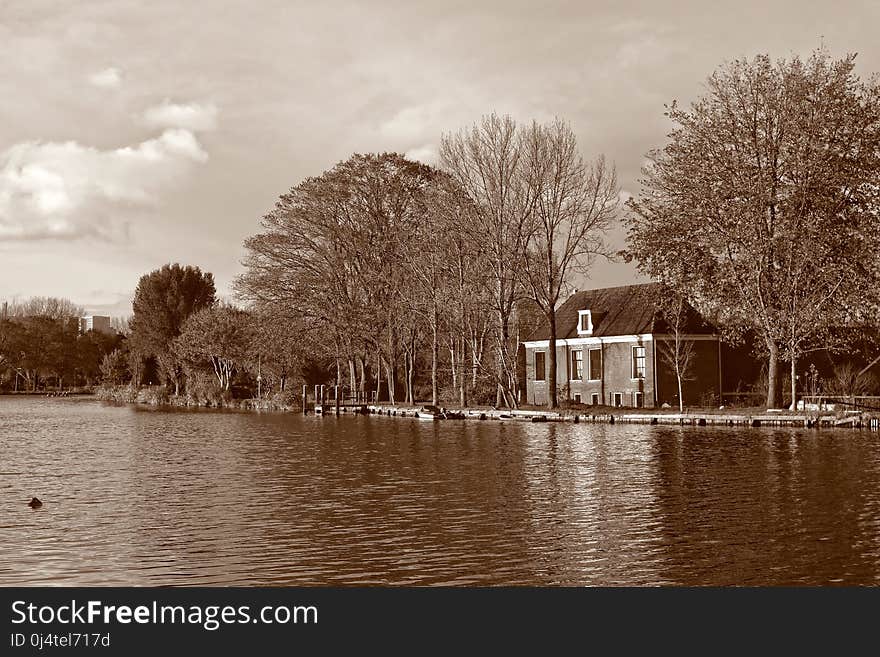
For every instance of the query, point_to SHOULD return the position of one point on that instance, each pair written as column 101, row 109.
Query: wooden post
column 305, row 400
column 336, row 394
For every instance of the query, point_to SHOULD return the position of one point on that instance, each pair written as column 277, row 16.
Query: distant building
column 100, row 323
column 609, row 351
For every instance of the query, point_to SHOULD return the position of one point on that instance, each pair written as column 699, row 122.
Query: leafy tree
column 767, row 194
column 328, row 253
column 91, row 348
column 163, row 300
column 114, row 367
column 220, row 336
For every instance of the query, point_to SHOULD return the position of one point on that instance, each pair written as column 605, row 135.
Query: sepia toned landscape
column 584, row 294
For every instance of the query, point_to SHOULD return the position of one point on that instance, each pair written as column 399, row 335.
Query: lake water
column 140, row 496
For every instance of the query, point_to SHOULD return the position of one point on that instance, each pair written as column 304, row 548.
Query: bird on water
column 35, row 503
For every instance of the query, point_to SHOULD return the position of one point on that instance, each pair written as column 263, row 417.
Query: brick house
column 612, row 349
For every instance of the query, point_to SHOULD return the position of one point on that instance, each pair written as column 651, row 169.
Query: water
column 139, row 496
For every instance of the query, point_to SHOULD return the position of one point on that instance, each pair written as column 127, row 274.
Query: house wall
column 701, row 385
column 616, row 374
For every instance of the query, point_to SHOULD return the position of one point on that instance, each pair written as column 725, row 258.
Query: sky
column 133, row 134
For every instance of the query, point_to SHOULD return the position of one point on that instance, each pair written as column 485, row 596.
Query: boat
column 428, row 413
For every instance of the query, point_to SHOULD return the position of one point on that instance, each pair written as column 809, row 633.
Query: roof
column 623, row 310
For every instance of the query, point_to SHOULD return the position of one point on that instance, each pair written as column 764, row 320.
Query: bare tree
column 678, row 351
column 51, row 307
column 487, row 162
column 575, row 203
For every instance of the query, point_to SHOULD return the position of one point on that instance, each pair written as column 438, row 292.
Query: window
column 594, row 399
column 540, row 367
column 638, row 399
column 577, row 365
column 618, row 399
column 595, row 364
column 638, row 363
column 585, row 322
column 577, row 398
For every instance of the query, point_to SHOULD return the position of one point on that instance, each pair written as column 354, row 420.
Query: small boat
column 428, row 413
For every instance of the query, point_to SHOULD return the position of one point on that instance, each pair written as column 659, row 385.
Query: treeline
column 402, row 273
column 204, row 352
column 393, row 279
column 41, row 347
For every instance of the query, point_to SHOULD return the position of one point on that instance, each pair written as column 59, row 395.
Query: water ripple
column 137, row 496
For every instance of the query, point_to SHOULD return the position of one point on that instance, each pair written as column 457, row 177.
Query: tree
column 330, row 252
column 91, row 348
column 114, row 367
column 457, row 275
column 220, row 336
column 162, row 302
column 489, row 163
column 52, row 307
column 575, row 203
column 767, row 193
column 678, row 352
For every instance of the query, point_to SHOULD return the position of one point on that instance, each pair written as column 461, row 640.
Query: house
column 613, row 348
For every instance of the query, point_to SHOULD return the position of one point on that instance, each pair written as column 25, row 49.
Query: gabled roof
column 624, row 310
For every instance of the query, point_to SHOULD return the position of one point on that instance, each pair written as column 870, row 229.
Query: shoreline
column 700, row 418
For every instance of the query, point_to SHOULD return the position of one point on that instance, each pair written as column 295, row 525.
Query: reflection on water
column 136, row 496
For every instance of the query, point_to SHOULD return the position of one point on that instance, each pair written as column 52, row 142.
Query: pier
column 681, row 419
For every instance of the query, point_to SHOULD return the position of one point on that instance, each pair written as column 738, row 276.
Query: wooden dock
column 781, row 419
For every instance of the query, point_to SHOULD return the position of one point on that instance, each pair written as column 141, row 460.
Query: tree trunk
column 552, row 401
column 678, row 372
column 378, row 377
column 389, row 377
column 680, row 391
column 362, row 386
column 435, row 356
column 411, row 375
column 773, row 378
column 793, row 383
column 453, row 360
column 462, row 379
column 352, row 376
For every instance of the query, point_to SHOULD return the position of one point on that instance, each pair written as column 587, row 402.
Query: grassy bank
column 160, row 396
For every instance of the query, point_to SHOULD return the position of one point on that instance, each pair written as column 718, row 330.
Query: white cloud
column 67, row 190
column 109, row 78
column 426, row 154
column 192, row 116
column 408, row 123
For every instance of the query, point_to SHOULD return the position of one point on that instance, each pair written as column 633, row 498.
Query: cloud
column 65, row 190
column 426, row 154
column 192, row 116
column 109, row 78
column 408, row 123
